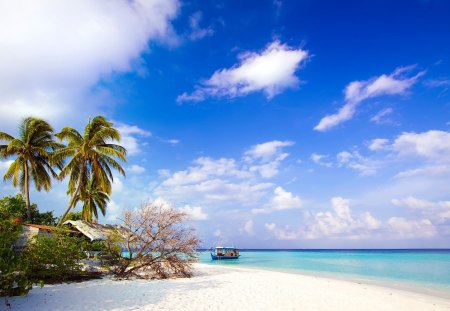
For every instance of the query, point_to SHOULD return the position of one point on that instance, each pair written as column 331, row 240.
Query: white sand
column 224, row 288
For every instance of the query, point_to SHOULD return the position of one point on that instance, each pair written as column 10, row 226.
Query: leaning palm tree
column 92, row 155
column 93, row 199
column 34, row 157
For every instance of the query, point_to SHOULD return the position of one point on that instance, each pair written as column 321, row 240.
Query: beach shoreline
column 227, row 288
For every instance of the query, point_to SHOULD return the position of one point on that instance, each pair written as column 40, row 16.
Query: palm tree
column 34, row 162
column 93, row 199
column 92, row 155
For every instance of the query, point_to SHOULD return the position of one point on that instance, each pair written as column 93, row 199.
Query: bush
column 56, row 258
column 14, row 279
column 13, row 207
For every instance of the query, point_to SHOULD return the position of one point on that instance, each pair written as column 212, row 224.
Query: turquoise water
column 421, row 269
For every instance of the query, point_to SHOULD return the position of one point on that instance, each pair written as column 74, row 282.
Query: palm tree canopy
column 91, row 154
column 93, row 199
column 34, row 161
column 33, row 148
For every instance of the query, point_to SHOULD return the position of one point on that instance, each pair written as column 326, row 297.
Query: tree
column 157, row 244
column 94, row 199
column 92, row 156
column 12, row 207
column 34, row 157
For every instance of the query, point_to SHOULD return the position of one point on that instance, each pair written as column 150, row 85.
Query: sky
column 272, row 123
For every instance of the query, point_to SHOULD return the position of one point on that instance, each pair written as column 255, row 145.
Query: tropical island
column 224, row 154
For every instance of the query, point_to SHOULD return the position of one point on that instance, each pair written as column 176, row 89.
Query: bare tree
column 155, row 243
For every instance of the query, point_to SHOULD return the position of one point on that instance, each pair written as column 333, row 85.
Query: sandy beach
column 226, row 288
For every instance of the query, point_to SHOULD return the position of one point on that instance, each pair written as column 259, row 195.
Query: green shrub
column 12, row 207
column 13, row 271
column 56, row 258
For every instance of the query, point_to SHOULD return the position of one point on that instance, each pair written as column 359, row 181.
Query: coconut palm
column 34, row 162
column 92, row 156
column 93, row 199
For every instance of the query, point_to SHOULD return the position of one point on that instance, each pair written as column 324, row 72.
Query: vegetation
column 15, row 207
column 55, row 258
column 92, row 156
column 14, row 276
column 33, row 150
column 158, row 245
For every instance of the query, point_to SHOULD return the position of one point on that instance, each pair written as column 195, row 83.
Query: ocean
column 423, row 270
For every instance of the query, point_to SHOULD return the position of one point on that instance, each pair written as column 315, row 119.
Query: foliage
column 55, row 258
column 12, row 207
column 93, row 199
column 73, row 216
column 13, row 271
column 91, row 158
column 157, row 243
column 33, row 150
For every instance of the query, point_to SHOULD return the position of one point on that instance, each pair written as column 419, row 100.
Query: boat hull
column 215, row 257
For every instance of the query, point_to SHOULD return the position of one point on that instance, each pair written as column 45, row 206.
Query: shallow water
column 424, row 270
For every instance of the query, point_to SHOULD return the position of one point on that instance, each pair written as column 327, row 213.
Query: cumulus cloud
column 432, row 145
column 438, row 211
column 405, row 228
column 130, row 137
column 266, row 158
column 226, row 179
column 54, row 53
column 194, row 212
column 340, row 222
column 285, row 233
column 270, row 71
column 282, row 200
column 379, row 144
column 397, row 83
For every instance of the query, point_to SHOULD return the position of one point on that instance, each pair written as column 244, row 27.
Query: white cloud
column 198, row 32
column 357, row 91
column 438, row 211
column 282, row 234
column 205, row 168
column 271, row 71
column 282, row 200
column 379, row 144
column 226, row 180
column 267, row 157
column 195, row 213
column 432, row 145
column 340, row 222
column 382, row 116
column 407, row 229
column 136, row 169
column 54, row 53
column 356, row 161
column 434, row 170
column 319, row 159
column 129, row 137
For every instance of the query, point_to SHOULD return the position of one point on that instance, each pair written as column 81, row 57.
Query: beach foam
column 226, row 288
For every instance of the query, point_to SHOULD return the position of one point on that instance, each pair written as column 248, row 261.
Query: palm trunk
column 26, row 192
column 71, row 203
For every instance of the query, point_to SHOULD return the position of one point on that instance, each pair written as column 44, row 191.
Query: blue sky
column 281, row 124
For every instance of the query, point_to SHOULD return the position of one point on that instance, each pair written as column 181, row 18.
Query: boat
column 220, row 253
